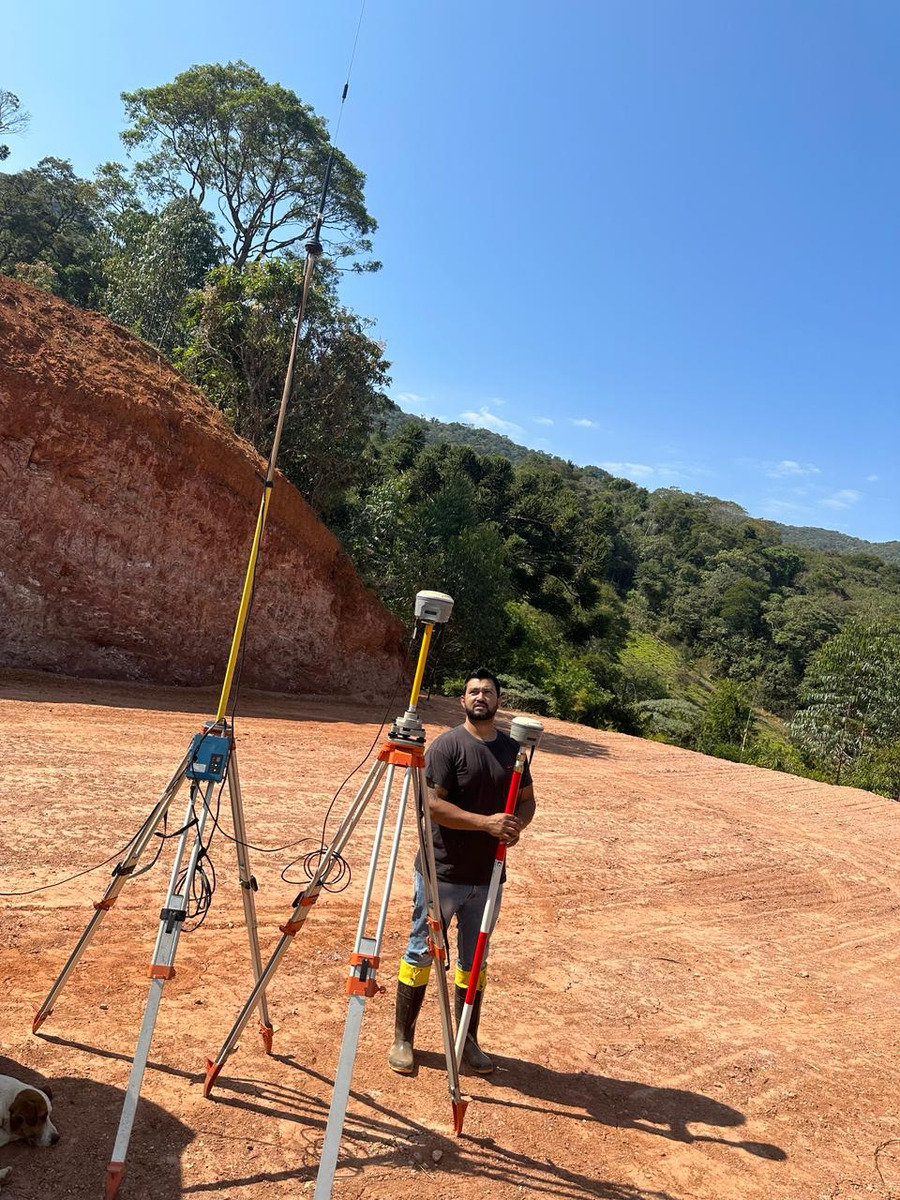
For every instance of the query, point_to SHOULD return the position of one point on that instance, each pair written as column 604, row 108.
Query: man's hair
column 482, row 673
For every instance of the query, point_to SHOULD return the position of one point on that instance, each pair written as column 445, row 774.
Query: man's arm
column 500, row 825
column 526, row 806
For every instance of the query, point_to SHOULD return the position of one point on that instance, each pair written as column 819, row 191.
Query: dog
column 25, row 1113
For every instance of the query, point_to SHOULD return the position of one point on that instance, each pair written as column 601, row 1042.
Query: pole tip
column 267, row 1032
column 212, row 1074
column 114, row 1173
column 459, row 1112
column 39, row 1018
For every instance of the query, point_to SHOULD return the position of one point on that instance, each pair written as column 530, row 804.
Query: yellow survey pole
column 420, row 666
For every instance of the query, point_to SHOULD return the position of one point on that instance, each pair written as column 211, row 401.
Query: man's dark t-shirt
column 476, row 777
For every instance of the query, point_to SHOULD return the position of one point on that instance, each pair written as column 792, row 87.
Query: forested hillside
column 485, row 441
column 672, row 615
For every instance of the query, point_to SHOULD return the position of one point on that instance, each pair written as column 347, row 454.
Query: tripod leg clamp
column 436, row 951
column 365, row 983
column 289, row 928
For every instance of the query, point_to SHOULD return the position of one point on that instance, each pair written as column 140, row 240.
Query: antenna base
column 408, row 729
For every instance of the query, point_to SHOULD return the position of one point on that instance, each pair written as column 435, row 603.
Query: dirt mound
column 127, row 509
column 692, row 989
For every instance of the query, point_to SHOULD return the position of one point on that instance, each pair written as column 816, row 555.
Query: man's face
column 480, row 700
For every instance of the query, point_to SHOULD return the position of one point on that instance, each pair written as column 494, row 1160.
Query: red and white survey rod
column 527, row 732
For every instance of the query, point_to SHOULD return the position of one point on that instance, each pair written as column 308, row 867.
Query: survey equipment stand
column 401, row 759
column 209, row 765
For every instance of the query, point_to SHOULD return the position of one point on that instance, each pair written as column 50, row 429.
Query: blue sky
column 659, row 237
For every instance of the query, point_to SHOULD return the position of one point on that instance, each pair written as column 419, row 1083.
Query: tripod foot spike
column 267, row 1032
column 459, row 1112
column 39, row 1019
column 114, row 1174
column 212, row 1074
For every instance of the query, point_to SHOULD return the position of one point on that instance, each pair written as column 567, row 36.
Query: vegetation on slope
column 672, row 615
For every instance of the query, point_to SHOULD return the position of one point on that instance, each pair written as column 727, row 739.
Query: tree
column 239, row 329
column 728, row 724
column 12, row 118
column 49, row 218
column 850, row 695
column 222, row 135
column 159, row 260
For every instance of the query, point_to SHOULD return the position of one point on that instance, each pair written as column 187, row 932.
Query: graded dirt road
column 692, row 989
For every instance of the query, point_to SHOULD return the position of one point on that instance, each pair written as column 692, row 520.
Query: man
column 468, row 770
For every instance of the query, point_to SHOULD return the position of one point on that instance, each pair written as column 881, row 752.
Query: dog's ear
column 47, row 1093
column 27, row 1113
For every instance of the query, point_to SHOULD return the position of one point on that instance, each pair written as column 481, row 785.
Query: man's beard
column 482, row 713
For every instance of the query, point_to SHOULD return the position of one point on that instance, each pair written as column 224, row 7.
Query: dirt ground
column 692, row 989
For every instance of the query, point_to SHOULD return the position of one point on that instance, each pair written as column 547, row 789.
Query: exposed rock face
column 127, row 509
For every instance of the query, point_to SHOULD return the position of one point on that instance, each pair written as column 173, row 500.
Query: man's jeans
column 461, row 900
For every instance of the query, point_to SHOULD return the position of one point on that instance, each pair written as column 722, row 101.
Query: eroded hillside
column 127, row 509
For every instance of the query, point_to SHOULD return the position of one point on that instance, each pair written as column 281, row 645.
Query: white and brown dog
column 24, row 1113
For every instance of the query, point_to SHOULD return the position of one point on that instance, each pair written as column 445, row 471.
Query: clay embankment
column 127, row 509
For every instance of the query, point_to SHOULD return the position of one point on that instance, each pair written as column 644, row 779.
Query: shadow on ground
column 86, row 1113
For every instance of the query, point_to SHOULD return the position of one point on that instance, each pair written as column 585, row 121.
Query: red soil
column 692, row 988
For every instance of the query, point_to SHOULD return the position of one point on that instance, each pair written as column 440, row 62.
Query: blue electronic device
column 209, row 755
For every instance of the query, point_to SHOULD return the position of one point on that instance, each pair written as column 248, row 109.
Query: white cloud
column 628, row 469
column 584, row 423
column 782, row 508
column 845, row 498
column 484, row 417
column 871, row 479
column 408, row 399
column 788, row 467
column 544, row 421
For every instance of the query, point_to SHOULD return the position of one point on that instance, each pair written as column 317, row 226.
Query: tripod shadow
column 370, row 1145
column 621, row 1103
column 86, row 1113
column 100, row 1052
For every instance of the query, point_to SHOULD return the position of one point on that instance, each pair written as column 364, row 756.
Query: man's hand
column 503, row 826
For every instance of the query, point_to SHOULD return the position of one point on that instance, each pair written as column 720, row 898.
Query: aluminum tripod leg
column 484, row 933
column 120, row 876
column 248, row 888
column 361, row 984
column 440, row 948
column 162, row 967
column 364, row 963
column 302, row 905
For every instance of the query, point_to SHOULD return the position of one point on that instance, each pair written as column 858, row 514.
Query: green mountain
column 811, row 538
column 484, row 441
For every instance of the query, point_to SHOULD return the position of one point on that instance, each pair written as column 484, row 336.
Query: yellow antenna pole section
column 420, row 666
column 244, row 607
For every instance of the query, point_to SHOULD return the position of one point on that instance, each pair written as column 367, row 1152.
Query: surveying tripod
column 404, row 748
column 209, row 762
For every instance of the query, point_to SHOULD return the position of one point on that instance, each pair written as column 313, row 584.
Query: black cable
column 45, row 887
column 68, row 879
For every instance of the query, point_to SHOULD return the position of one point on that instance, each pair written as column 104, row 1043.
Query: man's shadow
column 86, row 1113
column 622, row 1103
